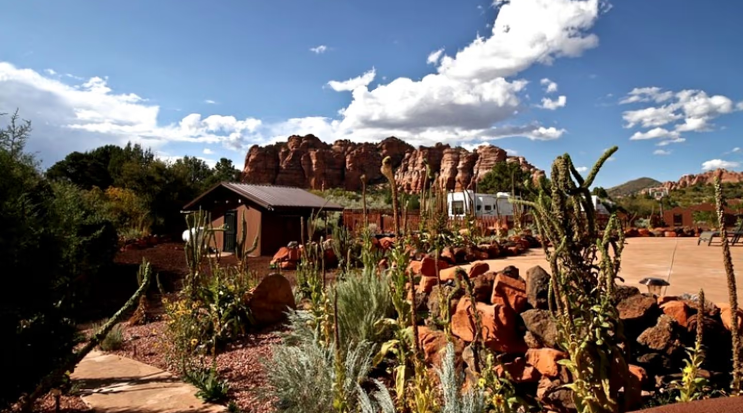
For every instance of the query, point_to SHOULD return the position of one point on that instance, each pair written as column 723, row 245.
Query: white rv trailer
column 484, row 205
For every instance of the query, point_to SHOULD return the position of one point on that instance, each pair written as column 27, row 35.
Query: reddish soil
column 724, row 404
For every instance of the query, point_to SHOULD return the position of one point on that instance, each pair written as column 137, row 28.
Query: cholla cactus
column 389, row 173
column 582, row 286
column 732, row 289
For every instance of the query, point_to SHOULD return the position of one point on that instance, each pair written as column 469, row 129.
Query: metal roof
column 271, row 196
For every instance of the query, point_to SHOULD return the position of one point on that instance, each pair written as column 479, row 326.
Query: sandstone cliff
column 308, row 162
column 706, row 178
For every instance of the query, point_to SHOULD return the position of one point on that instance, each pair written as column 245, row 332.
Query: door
column 230, row 231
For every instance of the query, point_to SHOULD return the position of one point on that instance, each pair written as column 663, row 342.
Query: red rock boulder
column 545, row 360
column 499, row 326
column 271, row 299
column 510, row 292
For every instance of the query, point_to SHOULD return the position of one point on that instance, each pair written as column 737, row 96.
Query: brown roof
column 271, row 197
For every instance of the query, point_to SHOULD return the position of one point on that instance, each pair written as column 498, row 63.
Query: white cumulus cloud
column 662, row 152
column 353, row 83
column 581, row 169
column 319, row 49
column 550, row 86
column 208, row 151
column 210, row 102
column 678, row 112
column 719, row 163
column 551, row 104
column 434, row 57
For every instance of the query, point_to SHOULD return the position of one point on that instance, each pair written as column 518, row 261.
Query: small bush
column 303, row 376
column 114, row 340
column 210, row 387
column 363, row 300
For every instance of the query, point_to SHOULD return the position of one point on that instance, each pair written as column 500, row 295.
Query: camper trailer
column 484, row 205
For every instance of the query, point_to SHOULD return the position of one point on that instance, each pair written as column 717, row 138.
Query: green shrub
column 363, row 300
column 51, row 246
column 114, row 340
column 210, row 387
column 303, row 373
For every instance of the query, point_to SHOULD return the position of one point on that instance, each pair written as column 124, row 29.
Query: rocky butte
column 308, row 162
column 706, row 178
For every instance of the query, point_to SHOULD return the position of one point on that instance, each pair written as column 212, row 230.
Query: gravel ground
column 67, row 404
column 241, row 364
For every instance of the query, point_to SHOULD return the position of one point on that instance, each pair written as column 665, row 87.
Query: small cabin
column 274, row 213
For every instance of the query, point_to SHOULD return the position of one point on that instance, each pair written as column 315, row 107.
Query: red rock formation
column 706, row 178
column 308, row 162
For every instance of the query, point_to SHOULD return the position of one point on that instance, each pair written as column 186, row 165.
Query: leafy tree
column 504, row 177
column 600, row 192
column 86, row 169
column 224, row 170
column 52, row 244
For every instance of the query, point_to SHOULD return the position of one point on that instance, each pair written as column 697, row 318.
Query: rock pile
column 518, row 326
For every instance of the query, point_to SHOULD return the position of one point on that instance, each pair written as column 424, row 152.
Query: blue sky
column 212, row 78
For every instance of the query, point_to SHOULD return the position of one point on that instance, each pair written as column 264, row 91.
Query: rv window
column 488, row 207
column 457, row 207
column 479, row 207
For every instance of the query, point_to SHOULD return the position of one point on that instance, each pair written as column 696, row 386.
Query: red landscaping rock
column 483, row 286
column 510, row 292
column 428, row 266
column 670, row 234
column 478, row 268
column 414, row 267
column 537, row 287
column 633, row 388
column 643, row 232
column 447, row 254
column 386, row 242
column 678, row 310
column 448, row 274
column 271, row 299
column 499, row 328
column 545, row 360
column 426, row 284
column 637, row 307
column 518, row 371
column 554, row 396
column 433, row 344
column 726, row 315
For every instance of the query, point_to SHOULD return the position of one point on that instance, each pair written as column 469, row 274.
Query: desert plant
column 114, row 340
column 211, row 388
column 471, row 401
column 692, row 387
column 363, row 301
column 389, row 173
column 303, row 374
column 732, row 289
column 582, row 284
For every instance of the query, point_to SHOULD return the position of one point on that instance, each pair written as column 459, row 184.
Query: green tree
column 600, row 192
column 86, row 169
column 225, row 171
column 504, row 177
column 52, row 245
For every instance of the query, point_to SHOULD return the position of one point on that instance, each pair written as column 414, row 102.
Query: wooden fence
column 381, row 221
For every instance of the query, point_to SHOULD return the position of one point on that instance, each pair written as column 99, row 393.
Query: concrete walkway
column 115, row 384
column 687, row 266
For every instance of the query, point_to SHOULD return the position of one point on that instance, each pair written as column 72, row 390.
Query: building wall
column 278, row 229
column 684, row 216
column 252, row 218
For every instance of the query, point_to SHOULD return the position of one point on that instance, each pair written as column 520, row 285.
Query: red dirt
column 725, row 404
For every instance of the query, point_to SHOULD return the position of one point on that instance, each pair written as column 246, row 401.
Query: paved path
column 685, row 265
column 114, row 384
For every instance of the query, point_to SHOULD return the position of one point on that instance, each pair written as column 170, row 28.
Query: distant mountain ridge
column 633, row 187
column 706, row 178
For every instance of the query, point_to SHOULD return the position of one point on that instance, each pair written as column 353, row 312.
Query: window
column 678, row 220
column 479, row 207
column 457, row 207
column 488, row 207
